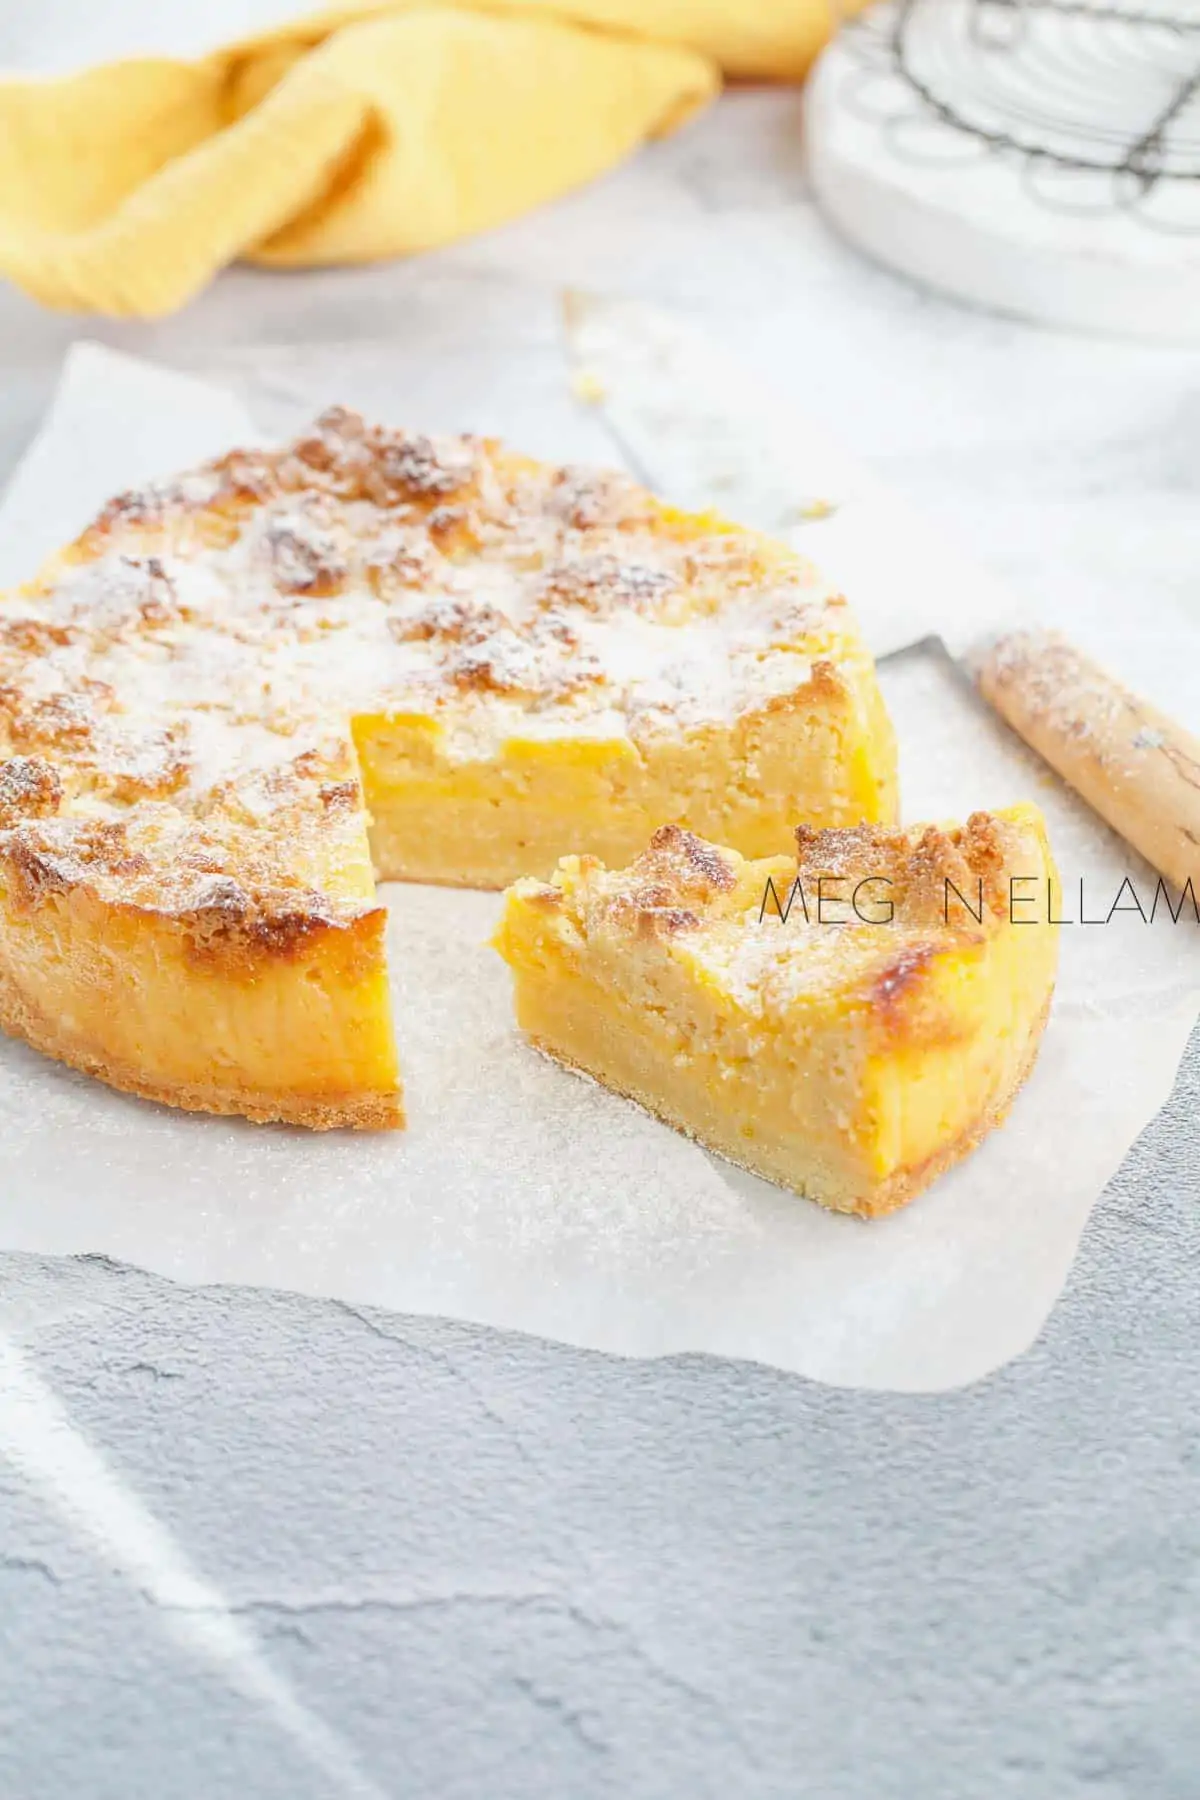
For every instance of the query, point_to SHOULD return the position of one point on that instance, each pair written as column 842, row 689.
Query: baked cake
column 242, row 697
column 848, row 1021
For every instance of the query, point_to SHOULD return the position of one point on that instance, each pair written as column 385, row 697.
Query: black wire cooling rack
column 1084, row 88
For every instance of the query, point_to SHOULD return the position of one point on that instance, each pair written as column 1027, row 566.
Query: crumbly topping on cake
column 210, row 632
column 918, row 867
column 29, row 789
column 673, row 885
column 868, row 905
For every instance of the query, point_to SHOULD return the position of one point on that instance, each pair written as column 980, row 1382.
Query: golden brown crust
column 30, row 788
column 223, row 923
column 924, row 867
column 939, row 885
column 677, row 874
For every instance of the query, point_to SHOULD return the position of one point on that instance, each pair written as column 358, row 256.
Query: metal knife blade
column 691, row 425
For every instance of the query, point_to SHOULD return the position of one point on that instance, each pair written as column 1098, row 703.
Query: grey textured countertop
column 257, row 1545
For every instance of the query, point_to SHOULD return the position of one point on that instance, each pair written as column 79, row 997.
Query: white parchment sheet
column 524, row 1197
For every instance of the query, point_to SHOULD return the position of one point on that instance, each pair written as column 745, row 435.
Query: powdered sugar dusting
column 222, row 621
column 225, row 629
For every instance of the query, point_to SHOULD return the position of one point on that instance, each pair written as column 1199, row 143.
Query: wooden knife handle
column 1136, row 767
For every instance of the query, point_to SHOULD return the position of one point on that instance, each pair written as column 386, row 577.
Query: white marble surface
column 269, row 1547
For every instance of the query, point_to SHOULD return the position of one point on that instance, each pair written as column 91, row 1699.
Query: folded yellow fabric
column 364, row 132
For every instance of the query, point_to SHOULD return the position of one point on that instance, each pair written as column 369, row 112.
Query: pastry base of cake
column 889, row 1196
column 304, row 1041
column 359, row 1112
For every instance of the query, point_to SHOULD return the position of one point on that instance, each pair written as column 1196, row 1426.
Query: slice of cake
column 848, row 1022
column 224, row 959
column 239, row 690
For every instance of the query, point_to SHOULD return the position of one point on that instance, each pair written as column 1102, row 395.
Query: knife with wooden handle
column 687, row 421
column 1135, row 766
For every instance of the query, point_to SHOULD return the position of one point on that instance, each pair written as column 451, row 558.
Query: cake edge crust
column 890, row 1195
column 361, row 1111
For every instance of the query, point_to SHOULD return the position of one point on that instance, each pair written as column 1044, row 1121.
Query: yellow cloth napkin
column 364, row 132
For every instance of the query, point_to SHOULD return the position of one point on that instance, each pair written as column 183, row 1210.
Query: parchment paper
column 526, row 1198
